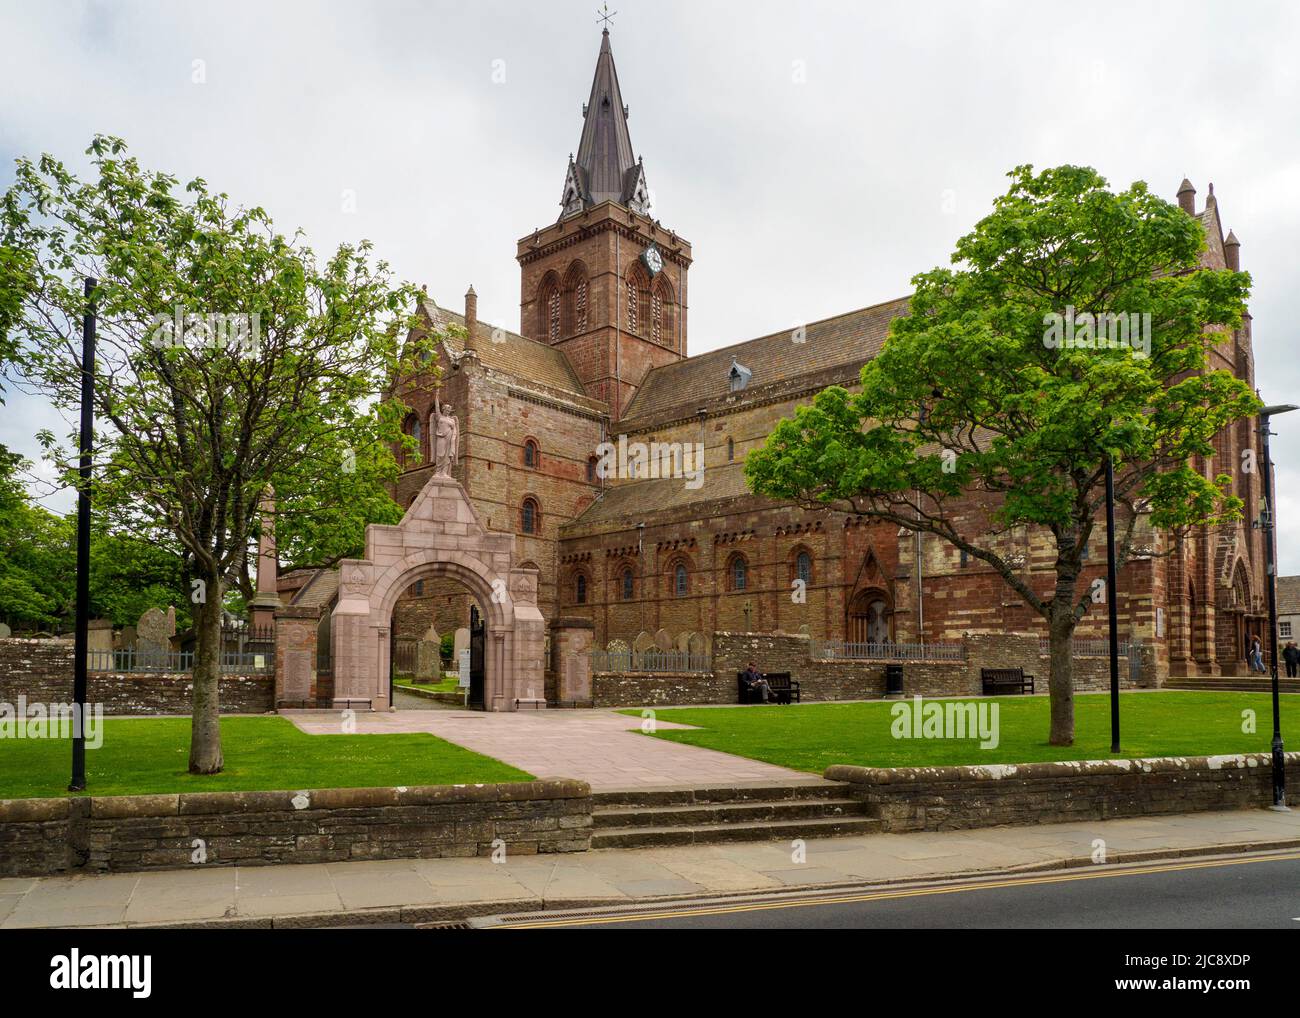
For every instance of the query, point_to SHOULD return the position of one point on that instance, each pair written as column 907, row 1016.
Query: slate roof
column 526, row 359
column 1288, row 595
column 627, row 502
column 605, row 162
column 319, row 590
column 847, row 340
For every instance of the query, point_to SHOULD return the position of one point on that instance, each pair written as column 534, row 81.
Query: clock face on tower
column 653, row 260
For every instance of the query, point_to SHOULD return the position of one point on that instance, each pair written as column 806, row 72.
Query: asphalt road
column 1244, row 892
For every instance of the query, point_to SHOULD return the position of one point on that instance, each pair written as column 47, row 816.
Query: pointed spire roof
column 605, row 168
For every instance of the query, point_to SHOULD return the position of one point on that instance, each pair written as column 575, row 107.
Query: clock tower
column 606, row 283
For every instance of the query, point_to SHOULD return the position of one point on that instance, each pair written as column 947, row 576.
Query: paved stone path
column 428, row 889
column 600, row 747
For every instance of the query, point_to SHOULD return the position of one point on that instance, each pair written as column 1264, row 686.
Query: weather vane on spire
column 606, row 15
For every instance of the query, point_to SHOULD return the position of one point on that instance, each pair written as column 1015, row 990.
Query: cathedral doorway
column 869, row 618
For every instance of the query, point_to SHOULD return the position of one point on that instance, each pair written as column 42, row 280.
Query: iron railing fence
column 1085, row 646
column 833, row 650
column 650, row 661
column 131, row 659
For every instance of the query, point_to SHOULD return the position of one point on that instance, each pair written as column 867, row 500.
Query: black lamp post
column 1265, row 523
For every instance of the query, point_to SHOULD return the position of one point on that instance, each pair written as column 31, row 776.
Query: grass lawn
column 145, row 755
column 445, row 686
column 811, row 737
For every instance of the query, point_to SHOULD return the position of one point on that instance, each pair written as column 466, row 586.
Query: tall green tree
column 229, row 359
column 983, row 418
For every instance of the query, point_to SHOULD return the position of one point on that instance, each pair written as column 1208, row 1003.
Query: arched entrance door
column 869, row 618
column 440, row 536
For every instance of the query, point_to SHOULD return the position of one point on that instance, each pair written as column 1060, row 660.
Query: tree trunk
column 1060, row 684
column 205, row 723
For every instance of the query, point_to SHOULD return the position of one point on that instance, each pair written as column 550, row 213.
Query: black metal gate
column 477, row 646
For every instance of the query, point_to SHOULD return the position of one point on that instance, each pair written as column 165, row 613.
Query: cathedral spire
column 605, row 168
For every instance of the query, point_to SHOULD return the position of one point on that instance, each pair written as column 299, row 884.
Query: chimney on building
column 471, row 318
column 1232, row 252
column 1187, row 197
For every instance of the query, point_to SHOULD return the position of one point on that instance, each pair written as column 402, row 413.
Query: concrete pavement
column 600, row 747
column 426, row 890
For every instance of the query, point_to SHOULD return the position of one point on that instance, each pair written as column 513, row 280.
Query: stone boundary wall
column 660, row 689
column 822, row 679
column 999, row 795
column 131, row 833
column 41, row 670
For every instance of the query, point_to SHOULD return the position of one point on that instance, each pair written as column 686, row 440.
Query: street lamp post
column 1266, row 524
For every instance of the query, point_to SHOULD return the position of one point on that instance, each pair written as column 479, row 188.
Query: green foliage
column 37, row 554
column 447, row 646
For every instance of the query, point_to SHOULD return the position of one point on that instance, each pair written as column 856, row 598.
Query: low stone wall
column 660, row 689
column 41, row 670
column 146, row 832
column 999, row 795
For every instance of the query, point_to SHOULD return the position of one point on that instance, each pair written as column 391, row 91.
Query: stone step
column 739, row 792
column 709, row 814
column 780, row 830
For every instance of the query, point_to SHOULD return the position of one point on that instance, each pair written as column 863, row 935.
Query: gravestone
column 428, row 660
column 698, row 645
column 683, row 642
column 152, row 639
column 124, row 638
column 5, row 631
column 663, row 641
column 461, row 644
column 643, row 642
column 99, row 643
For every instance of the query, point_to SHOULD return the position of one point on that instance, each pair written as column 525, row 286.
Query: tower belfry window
column 657, row 317
column 580, row 307
column 632, row 296
column 553, row 315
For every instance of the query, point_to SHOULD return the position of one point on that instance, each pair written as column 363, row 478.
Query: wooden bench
column 1005, row 680
column 784, row 689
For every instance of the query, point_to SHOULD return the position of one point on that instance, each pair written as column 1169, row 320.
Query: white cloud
column 802, row 200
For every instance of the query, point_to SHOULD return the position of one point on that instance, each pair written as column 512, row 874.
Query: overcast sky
column 817, row 155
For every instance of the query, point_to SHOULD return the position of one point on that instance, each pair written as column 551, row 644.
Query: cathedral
column 650, row 552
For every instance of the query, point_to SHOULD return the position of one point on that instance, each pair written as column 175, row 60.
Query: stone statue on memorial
column 446, row 438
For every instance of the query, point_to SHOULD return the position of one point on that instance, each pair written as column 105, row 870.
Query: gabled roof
column 605, row 168
column 628, row 502
column 848, row 340
column 503, row 350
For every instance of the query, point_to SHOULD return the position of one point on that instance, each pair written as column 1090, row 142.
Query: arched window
column 411, row 426
column 633, row 293
column 591, row 470
column 629, row 584
column 580, row 589
column 681, row 584
column 657, row 317
column 576, row 299
column 532, row 455
column 530, row 517
column 549, row 303
column 803, row 567
column 731, row 449
column 737, row 573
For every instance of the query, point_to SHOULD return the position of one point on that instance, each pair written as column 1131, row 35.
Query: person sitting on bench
column 755, row 682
